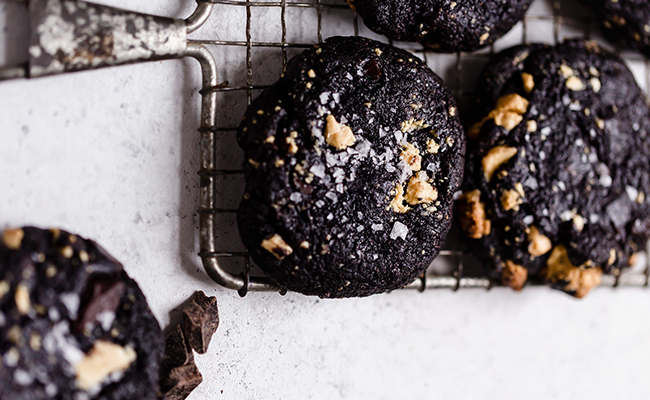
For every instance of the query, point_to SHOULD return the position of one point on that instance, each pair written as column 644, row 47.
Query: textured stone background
column 113, row 154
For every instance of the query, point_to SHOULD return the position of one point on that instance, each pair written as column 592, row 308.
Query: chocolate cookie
column 352, row 159
column 443, row 25
column 625, row 22
column 72, row 323
column 558, row 166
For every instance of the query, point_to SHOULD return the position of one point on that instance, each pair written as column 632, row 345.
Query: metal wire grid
column 455, row 278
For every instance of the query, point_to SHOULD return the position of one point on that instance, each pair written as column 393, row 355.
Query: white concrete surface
column 112, row 155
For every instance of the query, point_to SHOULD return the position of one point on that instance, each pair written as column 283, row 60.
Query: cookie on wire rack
column 625, row 22
column 557, row 169
column 72, row 323
column 352, row 159
column 443, row 25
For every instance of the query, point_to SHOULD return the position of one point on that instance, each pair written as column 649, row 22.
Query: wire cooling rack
column 297, row 25
column 252, row 41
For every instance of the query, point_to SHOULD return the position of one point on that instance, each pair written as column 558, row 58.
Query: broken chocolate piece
column 181, row 381
column 102, row 296
column 177, row 351
column 201, row 319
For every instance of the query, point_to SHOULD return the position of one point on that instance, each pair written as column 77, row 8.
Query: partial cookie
column 443, row 25
column 625, row 22
column 352, row 159
column 558, row 167
column 72, row 323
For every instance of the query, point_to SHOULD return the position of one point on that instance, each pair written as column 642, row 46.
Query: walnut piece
column 22, row 299
column 411, row 156
column 528, row 81
column 574, row 83
column 413, row 125
column 12, row 238
column 507, row 113
column 397, row 204
column 472, row 215
column 539, row 244
column 510, row 200
column 580, row 279
column 277, row 246
column 514, row 275
column 337, row 135
column 101, row 361
column 419, row 191
column 432, row 146
column 495, row 158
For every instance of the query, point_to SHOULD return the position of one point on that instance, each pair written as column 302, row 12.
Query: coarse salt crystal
column 399, row 230
column 295, row 197
column 318, row 170
column 632, row 193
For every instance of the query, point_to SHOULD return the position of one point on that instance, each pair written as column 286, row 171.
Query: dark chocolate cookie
column 352, row 159
column 73, row 325
column 443, row 25
column 558, row 166
column 625, row 22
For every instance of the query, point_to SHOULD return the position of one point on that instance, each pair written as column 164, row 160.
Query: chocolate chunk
column 181, row 381
column 201, row 320
column 101, row 296
column 177, row 351
column 373, row 70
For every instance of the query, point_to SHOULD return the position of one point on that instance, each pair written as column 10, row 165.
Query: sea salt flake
column 22, row 377
column 295, row 197
column 330, row 216
column 318, row 170
column 360, row 228
column 71, row 302
column 320, row 203
column 332, row 196
column 399, row 230
column 528, row 219
column 632, row 193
